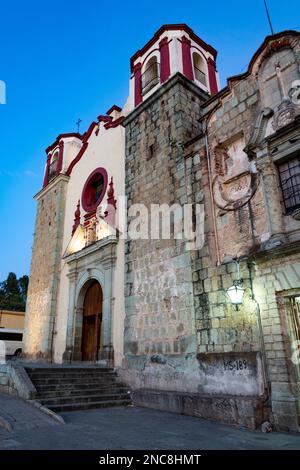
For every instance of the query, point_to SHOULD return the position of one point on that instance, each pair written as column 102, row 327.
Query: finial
column 76, row 217
column 111, row 190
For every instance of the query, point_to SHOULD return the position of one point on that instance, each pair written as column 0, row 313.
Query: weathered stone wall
column 160, row 318
column 220, row 327
column 277, row 278
column 15, row 381
column 234, row 174
column 45, row 269
column 248, row 224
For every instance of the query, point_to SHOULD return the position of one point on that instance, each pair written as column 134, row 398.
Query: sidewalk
column 127, row 428
column 18, row 415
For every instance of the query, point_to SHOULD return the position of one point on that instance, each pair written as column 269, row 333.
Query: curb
column 48, row 412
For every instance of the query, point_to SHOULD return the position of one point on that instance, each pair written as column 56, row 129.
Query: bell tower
column 40, row 323
column 173, row 48
column 172, row 76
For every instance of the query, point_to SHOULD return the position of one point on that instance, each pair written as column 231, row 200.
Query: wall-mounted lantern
column 236, row 292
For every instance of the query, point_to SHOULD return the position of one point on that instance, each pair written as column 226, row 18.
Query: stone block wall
column 15, row 381
column 179, row 297
column 277, row 279
column 45, row 269
column 246, row 227
column 160, row 319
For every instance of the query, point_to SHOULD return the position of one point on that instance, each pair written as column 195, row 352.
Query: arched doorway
column 91, row 324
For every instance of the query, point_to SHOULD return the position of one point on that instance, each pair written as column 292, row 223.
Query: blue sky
column 70, row 58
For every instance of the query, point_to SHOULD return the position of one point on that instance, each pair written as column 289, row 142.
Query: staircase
column 74, row 388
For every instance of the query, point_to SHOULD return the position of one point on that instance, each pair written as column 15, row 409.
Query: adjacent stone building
column 210, row 330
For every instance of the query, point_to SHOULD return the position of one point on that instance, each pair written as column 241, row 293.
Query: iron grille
column 289, row 173
column 150, row 77
column 200, row 76
column 52, row 170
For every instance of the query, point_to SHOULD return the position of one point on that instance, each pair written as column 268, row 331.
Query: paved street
column 126, row 428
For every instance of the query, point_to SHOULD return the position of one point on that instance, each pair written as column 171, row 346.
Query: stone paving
column 127, row 428
column 17, row 415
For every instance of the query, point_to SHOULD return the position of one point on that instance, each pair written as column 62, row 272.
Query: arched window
column 199, row 68
column 150, row 77
column 53, row 165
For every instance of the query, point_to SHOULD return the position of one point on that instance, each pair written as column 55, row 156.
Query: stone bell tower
column 173, row 48
column 172, row 76
column 47, row 249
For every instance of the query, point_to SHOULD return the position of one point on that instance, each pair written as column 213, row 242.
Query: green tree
column 13, row 293
column 23, row 285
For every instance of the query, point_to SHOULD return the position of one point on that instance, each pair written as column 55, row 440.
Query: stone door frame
column 93, row 263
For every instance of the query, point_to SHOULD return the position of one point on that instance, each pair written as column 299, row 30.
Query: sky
column 65, row 59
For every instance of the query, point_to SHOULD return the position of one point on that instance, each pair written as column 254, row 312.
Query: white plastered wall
column 105, row 150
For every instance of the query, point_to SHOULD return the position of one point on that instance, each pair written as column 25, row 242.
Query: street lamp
column 236, row 292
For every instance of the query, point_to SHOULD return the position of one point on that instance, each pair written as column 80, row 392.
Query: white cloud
column 30, row 173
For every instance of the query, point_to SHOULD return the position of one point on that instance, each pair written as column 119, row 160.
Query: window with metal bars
column 199, row 69
column 289, row 173
column 150, row 77
column 53, row 166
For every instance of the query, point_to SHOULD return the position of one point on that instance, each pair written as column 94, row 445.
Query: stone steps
column 89, row 405
column 44, row 388
column 72, row 380
column 43, row 394
column 66, row 400
column 72, row 375
column 55, row 369
column 66, row 389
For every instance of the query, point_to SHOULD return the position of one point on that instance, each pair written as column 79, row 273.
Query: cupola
column 173, row 48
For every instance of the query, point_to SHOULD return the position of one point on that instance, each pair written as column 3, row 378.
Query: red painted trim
column 114, row 123
column 110, row 213
column 45, row 182
column 109, row 124
column 212, row 78
column 187, row 58
column 62, row 136
column 88, row 133
column 85, row 144
column 137, row 71
column 87, row 190
column 164, row 60
column 60, row 157
column 77, row 158
column 114, row 108
column 103, row 118
column 87, row 218
column 172, row 27
column 149, row 55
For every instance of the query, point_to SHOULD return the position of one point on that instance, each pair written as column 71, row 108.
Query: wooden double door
column 91, row 326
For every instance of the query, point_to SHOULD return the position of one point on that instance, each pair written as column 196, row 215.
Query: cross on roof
column 78, row 124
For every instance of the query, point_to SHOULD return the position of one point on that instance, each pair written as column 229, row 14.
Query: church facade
column 210, row 330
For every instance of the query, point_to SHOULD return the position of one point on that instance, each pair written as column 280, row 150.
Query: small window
column 150, row 77
column 53, row 166
column 199, row 68
column 97, row 186
column 289, row 174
